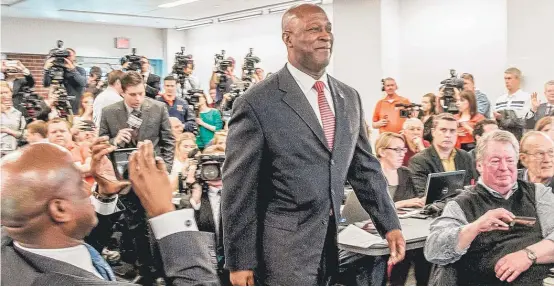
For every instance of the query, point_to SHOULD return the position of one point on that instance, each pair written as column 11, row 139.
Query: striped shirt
column 518, row 102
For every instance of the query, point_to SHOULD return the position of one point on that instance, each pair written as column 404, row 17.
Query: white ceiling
column 145, row 13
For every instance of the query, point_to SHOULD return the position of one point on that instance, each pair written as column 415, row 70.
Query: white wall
column 93, row 40
column 261, row 33
column 173, row 41
column 437, row 35
column 390, row 39
column 531, row 41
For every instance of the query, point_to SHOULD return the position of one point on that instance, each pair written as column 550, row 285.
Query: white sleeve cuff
column 173, row 222
column 105, row 208
column 195, row 205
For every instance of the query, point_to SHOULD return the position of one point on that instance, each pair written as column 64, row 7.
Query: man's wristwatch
column 100, row 197
column 531, row 255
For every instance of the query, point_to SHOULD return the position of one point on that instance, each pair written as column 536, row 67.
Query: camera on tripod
column 406, row 110
column 208, row 169
column 222, row 65
column 249, row 66
column 31, row 102
column 133, row 60
column 58, row 64
column 449, row 85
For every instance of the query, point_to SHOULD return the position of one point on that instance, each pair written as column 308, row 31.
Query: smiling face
column 498, row 167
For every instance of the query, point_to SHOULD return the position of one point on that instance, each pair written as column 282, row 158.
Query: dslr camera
column 31, row 102
column 58, row 65
column 208, row 169
column 406, row 110
column 449, row 85
column 134, row 61
column 249, row 66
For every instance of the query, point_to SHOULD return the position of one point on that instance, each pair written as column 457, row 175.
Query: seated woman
column 467, row 118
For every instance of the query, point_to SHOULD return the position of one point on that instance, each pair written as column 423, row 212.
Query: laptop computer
column 353, row 211
column 443, row 184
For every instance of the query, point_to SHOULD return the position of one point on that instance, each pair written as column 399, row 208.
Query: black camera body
column 63, row 104
column 181, row 62
column 222, row 66
column 209, row 167
column 449, row 85
column 134, row 61
column 57, row 70
column 31, row 102
column 249, row 66
column 193, row 98
column 407, row 109
column 237, row 90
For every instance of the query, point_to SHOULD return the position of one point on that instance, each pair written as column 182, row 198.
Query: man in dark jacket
column 442, row 155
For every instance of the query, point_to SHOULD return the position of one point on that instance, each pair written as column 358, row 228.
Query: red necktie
column 327, row 117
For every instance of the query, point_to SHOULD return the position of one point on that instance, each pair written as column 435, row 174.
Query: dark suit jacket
column 74, row 82
column 541, row 113
column 281, row 179
column 187, row 257
column 428, row 161
column 152, row 86
column 155, row 127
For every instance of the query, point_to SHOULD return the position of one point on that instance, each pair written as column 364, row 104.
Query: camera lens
column 210, row 172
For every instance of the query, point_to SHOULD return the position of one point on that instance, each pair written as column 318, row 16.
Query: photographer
column 151, row 81
column 12, row 122
column 11, row 69
column 223, row 87
column 177, row 107
column 191, row 82
column 483, row 103
column 95, row 85
column 386, row 116
column 208, row 122
column 74, row 78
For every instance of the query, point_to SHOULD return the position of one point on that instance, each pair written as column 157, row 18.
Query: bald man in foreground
column 305, row 136
column 47, row 211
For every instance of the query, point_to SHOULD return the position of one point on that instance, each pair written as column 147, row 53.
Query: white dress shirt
column 306, row 83
column 107, row 97
column 77, row 256
column 214, row 195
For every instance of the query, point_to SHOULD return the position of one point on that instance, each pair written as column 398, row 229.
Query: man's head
column 133, row 89
column 177, row 126
column 469, row 82
column 114, row 80
column 144, row 64
column 72, row 55
column 170, row 87
column 59, row 132
column 444, row 131
column 45, row 202
column 390, row 87
column 412, row 127
column 94, row 74
column 308, row 37
column 484, row 126
column 549, row 91
column 537, row 155
column 512, row 78
column 496, row 157
column 37, row 131
column 5, row 95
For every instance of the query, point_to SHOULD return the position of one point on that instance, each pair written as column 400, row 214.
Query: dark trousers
column 422, row 268
column 329, row 264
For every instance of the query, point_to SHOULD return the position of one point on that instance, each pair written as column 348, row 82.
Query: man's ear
column 479, row 167
column 60, row 210
column 286, row 39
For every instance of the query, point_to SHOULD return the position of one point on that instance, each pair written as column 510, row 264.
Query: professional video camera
column 31, row 102
column 58, row 65
column 63, row 104
column 237, row 89
column 249, row 66
column 208, row 169
column 193, row 98
column 134, row 61
column 449, row 85
column 178, row 70
column 406, row 110
column 222, row 64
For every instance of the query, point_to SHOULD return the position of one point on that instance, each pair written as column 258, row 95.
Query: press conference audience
column 177, row 127
column 36, row 131
column 386, row 116
column 12, row 122
column 442, row 155
column 209, row 122
column 154, row 120
column 42, row 242
column 483, row 103
column 427, row 111
column 177, row 107
column 467, row 117
column 540, row 110
column 85, row 107
column 111, row 95
column 476, row 235
column 95, row 83
column 222, row 88
column 412, row 130
column 515, row 99
column 151, row 81
column 185, row 143
column 537, row 155
column 482, row 127
column 546, row 125
column 220, row 139
column 74, row 78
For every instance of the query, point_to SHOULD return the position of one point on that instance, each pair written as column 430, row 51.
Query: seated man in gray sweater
column 479, row 232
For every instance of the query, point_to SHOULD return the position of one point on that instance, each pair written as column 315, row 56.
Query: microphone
column 134, row 122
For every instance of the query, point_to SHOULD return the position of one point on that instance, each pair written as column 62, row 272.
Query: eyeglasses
column 398, row 150
column 540, row 155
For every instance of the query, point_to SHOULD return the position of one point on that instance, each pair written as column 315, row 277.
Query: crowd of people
column 172, row 213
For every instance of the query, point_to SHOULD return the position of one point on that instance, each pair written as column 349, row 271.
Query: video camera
column 193, row 98
column 31, row 102
column 222, row 65
column 237, row 89
column 134, row 61
column 63, row 104
column 208, row 169
column 449, row 85
column 249, row 66
column 407, row 109
column 58, row 64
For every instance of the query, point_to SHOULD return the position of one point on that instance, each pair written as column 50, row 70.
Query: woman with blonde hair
column 184, row 144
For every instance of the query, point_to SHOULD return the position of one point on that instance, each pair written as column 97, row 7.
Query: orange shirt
column 468, row 137
column 385, row 108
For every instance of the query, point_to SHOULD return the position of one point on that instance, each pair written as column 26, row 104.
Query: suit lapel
column 341, row 121
column 296, row 99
